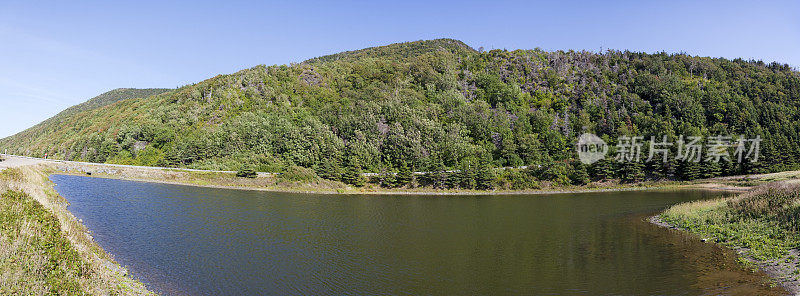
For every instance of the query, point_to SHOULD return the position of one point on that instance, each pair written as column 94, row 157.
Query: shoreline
column 424, row 191
column 397, row 192
column 777, row 270
column 266, row 182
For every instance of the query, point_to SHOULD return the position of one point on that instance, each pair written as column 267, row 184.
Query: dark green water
column 201, row 241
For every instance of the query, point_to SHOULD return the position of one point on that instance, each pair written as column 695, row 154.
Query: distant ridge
column 403, row 50
column 102, row 100
column 111, row 97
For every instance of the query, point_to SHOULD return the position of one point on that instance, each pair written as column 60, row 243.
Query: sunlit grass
column 762, row 221
column 44, row 250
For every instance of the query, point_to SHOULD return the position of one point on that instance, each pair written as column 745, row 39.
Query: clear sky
column 55, row 54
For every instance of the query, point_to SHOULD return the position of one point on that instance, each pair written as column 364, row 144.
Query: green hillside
column 436, row 105
column 112, row 97
column 55, row 124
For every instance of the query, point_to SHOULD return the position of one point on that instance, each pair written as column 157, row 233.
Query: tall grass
column 38, row 257
column 778, row 201
column 764, row 220
column 44, row 250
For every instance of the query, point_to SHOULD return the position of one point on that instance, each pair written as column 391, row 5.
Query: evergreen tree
column 484, row 176
column 435, row 175
column 689, row 170
column 404, row 175
column 631, row 172
column 604, row 169
column 353, row 174
column 579, row 175
column 329, row 169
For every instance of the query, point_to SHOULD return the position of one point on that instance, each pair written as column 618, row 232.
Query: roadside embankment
column 44, row 249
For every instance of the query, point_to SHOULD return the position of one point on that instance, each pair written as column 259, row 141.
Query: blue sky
column 57, row 54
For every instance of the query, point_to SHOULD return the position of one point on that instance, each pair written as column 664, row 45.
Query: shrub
column 329, row 169
column 246, row 174
column 556, row 172
column 11, row 174
column 516, row 179
column 578, row 175
column 35, row 234
column 298, row 174
column 773, row 199
column 385, row 178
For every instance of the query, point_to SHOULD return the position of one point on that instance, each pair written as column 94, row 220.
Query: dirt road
column 13, row 161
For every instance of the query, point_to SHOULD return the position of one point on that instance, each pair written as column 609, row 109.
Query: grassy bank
column 44, row 250
column 763, row 225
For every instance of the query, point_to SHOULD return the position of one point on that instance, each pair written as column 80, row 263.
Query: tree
column 404, row 175
column 329, row 169
column 484, row 176
column 353, row 174
column 578, row 176
column 555, row 172
column 604, row 169
column 631, row 172
column 435, row 175
column 246, row 174
column 689, row 170
column 416, row 102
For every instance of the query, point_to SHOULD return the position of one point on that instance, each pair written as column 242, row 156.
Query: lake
column 202, row 241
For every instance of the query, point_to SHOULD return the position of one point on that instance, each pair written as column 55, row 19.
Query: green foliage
column 578, row 175
column 386, row 178
column 30, row 231
column 631, row 172
column 353, row 174
column 438, row 102
column 404, row 175
column 435, row 175
column 556, row 172
column 246, row 174
column 763, row 220
column 298, row 174
column 516, row 180
column 329, row 169
column 690, row 170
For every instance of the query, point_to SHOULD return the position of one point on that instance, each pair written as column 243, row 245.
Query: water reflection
column 200, row 241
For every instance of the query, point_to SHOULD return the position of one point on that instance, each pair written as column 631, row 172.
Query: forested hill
column 439, row 104
column 111, row 97
column 399, row 51
column 54, row 124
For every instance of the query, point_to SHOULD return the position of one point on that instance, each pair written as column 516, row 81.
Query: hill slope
column 111, row 97
column 54, row 124
column 430, row 105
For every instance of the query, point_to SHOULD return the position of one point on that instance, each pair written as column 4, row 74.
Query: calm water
column 200, row 241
